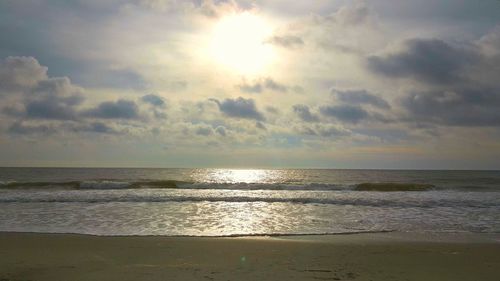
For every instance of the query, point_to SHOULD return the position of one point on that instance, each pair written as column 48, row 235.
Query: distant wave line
column 175, row 184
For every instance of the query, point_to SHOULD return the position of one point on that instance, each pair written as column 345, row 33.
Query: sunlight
column 234, row 176
column 238, row 43
column 238, row 176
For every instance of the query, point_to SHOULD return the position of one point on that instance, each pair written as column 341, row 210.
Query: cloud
column 475, row 106
column 214, row 9
column 351, row 29
column 50, row 108
column 429, row 60
column 120, row 109
column 204, row 130
column 358, row 13
column 54, row 98
column 272, row 110
column 260, row 125
column 460, row 84
column 153, row 100
column 286, row 41
column 239, row 108
column 323, row 130
column 260, row 85
column 19, row 128
column 221, row 130
column 158, row 4
column 275, row 86
column 251, row 88
column 304, row 113
column 360, row 97
column 20, row 73
column 332, row 131
column 99, row 127
column 40, row 97
column 490, row 43
column 345, row 113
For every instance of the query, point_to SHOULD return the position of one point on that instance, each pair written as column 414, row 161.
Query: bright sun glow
column 239, row 43
column 224, row 176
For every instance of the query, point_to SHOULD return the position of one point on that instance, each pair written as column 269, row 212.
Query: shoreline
column 367, row 256
column 397, row 236
column 262, row 235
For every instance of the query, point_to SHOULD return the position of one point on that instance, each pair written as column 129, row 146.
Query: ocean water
column 226, row 202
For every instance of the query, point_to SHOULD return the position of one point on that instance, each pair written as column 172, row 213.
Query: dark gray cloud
column 428, row 60
column 360, row 97
column 260, row 125
column 221, row 130
column 286, row 41
column 120, row 109
column 331, row 131
column 304, row 113
column 239, row 108
column 204, row 131
column 50, row 108
column 476, row 106
column 460, row 88
column 345, row 113
column 153, row 100
column 323, row 130
column 93, row 127
column 101, row 128
column 261, row 85
column 19, row 128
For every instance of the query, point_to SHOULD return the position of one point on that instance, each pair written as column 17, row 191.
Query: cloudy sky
column 275, row 83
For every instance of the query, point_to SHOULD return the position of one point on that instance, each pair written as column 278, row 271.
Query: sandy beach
column 381, row 256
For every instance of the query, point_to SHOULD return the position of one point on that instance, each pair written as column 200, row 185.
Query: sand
column 389, row 256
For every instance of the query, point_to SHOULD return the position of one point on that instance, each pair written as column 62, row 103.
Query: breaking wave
column 144, row 198
column 173, row 184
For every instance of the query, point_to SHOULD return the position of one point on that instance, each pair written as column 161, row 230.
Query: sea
column 245, row 202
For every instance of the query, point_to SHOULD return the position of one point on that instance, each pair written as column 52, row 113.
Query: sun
column 238, row 42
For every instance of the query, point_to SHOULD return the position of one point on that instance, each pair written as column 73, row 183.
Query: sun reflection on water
column 232, row 176
column 250, row 217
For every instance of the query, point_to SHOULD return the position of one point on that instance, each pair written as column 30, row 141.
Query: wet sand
column 382, row 256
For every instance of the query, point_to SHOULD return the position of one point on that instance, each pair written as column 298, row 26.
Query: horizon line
column 247, row 168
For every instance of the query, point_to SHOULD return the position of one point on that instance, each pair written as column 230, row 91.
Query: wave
column 393, row 186
column 253, row 199
column 39, row 185
column 113, row 184
column 92, row 184
column 103, row 184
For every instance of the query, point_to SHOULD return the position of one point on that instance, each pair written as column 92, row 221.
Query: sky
column 250, row 84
